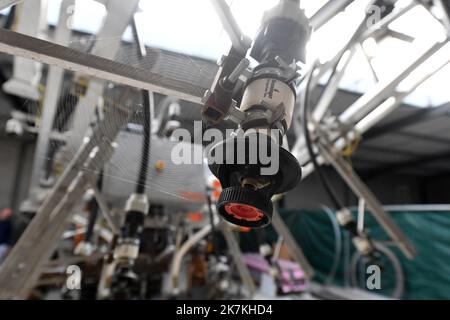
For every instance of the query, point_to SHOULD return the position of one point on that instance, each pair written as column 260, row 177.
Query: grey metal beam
column 362, row 191
column 53, row 54
column 240, row 42
column 383, row 90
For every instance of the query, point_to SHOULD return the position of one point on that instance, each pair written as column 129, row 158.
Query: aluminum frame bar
column 23, row 266
column 362, row 191
column 296, row 252
column 236, row 253
column 239, row 41
column 97, row 67
column 383, row 90
column 368, row 103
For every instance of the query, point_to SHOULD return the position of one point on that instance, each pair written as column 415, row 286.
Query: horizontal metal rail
column 69, row 59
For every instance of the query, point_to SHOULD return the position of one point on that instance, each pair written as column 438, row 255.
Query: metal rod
column 378, row 113
column 332, row 86
column 291, row 244
column 236, row 253
column 299, row 147
column 383, row 90
column 240, row 42
column 361, row 214
column 8, row 3
column 97, row 67
column 362, row 191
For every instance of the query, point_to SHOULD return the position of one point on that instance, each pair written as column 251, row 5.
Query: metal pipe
column 184, row 249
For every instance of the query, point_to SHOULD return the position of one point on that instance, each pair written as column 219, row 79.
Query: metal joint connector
column 138, row 202
column 344, row 216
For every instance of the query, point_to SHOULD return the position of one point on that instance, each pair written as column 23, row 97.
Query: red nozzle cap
column 244, row 212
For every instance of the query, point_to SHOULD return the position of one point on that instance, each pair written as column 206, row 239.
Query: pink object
column 5, row 214
column 292, row 276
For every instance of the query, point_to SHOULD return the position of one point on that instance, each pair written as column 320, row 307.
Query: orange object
column 244, row 212
column 193, row 196
column 217, row 185
column 195, row 216
column 79, row 237
column 216, row 195
column 160, row 165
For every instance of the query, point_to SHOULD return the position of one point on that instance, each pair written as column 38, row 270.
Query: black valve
column 251, row 169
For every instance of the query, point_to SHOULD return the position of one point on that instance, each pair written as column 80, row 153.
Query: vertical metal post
column 52, row 94
column 119, row 16
column 32, row 21
column 361, row 214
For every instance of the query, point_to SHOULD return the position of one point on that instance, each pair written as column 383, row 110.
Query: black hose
column 304, row 108
column 145, row 156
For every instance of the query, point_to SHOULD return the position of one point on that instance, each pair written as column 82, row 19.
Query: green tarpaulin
column 426, row 277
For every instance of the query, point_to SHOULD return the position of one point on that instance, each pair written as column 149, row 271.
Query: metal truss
column 22, row 268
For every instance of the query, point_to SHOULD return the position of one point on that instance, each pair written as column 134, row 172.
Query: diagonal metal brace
column 363, row 192
column 22, row 268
